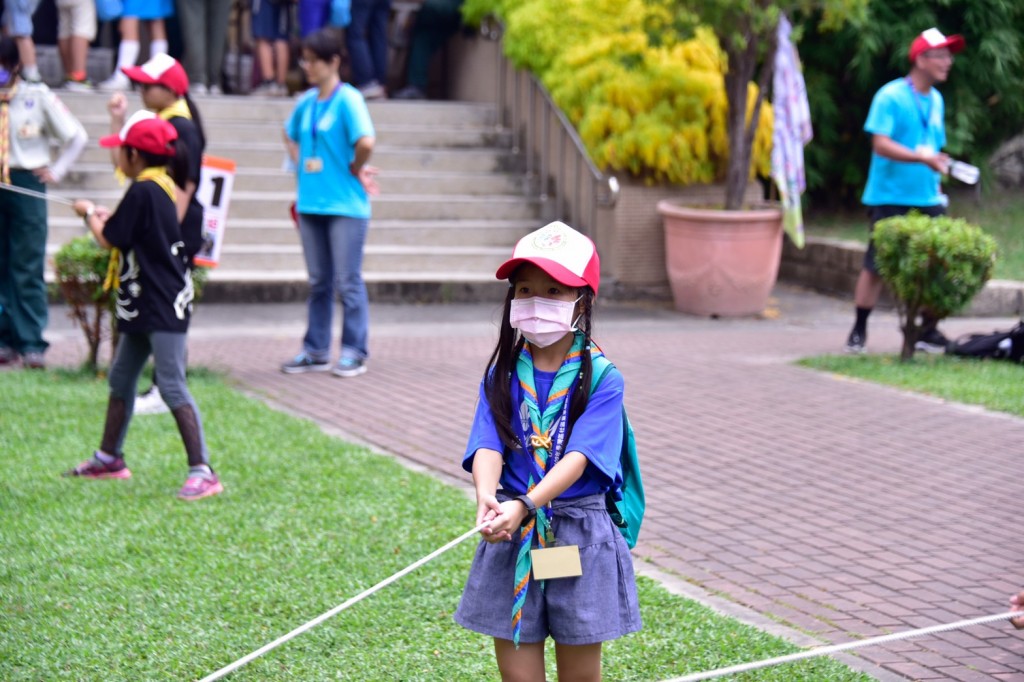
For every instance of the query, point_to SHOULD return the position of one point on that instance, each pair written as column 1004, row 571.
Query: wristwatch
column 531, row 508
column 88, row 214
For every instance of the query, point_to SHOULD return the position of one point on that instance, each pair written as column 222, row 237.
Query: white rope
column 826, row 650
column 341, row 607
column 46, row 196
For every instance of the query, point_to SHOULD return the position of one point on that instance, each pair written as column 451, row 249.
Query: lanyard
column 318, row 117
column 923, row 115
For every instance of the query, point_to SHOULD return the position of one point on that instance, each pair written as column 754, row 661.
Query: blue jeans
column 333, row 247
column 367, row 40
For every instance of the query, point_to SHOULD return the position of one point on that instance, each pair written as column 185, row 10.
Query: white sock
column 157, row 47
column 30, row 72
column 127, row 54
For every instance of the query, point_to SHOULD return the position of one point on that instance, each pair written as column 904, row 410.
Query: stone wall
column 831, row 266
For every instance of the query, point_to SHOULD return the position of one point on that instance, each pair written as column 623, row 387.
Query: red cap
column 162, row 69
column 144, row 131
column 932, row 39
column 567, row 256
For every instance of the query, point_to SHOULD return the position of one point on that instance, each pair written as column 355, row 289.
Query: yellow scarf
column 162, row 178
column 5, row 134
column 179, row 108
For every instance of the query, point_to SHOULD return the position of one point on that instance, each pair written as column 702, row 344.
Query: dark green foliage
column 931, row 264
column 843, row 69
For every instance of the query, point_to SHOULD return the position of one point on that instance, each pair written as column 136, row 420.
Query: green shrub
column 645, row 101
column 933, row 265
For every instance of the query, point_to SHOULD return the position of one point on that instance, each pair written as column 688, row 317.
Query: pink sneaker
column 93, row 468
column 199, row 486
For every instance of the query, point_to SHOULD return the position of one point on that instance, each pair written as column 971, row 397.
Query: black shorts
column 876, row 213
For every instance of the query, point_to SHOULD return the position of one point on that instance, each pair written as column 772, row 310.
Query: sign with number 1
column 216, row 178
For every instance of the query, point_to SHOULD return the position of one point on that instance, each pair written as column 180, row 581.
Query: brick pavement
column 840, row 508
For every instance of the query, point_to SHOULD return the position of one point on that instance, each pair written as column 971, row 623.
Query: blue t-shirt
column 915, row 121
column 597, row 434
column 328, row 131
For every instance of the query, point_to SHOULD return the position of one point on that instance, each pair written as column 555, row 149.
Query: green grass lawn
column 994, row 384
column 118, row 580
column 1000, row 213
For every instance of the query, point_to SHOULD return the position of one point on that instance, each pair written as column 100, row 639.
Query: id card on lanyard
column 554, row 561
column 926, row 145
column 314, row 163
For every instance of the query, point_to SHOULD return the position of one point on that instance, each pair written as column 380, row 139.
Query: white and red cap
column 145, row 131
column 162, row 69
column 932, row 39
column 569, row 257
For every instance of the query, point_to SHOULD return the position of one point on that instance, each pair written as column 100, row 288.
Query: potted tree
column 724, row 261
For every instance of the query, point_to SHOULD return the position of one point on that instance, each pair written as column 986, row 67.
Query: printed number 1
column 218, row 190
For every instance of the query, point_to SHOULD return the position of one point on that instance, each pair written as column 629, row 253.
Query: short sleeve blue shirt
column 597, row 434
column 328, row 130
column 915, row 121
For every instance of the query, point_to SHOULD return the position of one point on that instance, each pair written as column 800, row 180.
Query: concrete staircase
column 451, row 207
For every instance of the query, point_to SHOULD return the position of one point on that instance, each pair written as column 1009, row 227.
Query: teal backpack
column 627, row 513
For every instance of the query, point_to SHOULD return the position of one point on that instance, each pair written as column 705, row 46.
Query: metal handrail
column 572, row 195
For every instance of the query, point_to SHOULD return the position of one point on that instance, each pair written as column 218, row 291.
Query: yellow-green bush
column 644, row 102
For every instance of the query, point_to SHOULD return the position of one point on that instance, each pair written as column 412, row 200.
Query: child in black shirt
column 154, row 298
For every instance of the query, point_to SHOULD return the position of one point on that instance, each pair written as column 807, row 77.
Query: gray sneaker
column 8, row 356
column 33, row 360
column 349, row 367
column 79, row 86
column 856, row 342
column 302, row 363
column 373, row 90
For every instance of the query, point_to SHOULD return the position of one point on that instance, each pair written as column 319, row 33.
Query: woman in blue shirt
column 330, row 138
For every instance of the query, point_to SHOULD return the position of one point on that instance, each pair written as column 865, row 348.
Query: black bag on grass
column 1008, row 345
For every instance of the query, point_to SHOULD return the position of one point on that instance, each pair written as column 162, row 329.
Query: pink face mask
column 543, row 321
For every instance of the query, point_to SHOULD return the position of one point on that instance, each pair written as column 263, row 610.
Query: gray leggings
column 168, row 351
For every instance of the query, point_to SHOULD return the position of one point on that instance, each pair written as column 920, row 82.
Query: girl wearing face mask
column 544, row 450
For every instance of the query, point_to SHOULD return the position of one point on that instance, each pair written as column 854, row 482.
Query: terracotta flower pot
column 721, row 262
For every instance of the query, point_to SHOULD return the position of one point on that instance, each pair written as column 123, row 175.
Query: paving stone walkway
column 839, row 508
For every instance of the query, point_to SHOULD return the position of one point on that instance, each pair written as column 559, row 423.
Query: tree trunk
column 911, row 332
column 741, row 68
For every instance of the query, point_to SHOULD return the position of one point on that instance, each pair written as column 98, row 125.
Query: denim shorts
column 596, row 607
column 269, row 21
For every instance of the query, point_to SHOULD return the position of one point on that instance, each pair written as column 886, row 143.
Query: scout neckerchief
column 5, row 134
column 177, row 110
column 542, row 451
column 159, row 175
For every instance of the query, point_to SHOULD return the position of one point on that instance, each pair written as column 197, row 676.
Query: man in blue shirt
column 907, row 126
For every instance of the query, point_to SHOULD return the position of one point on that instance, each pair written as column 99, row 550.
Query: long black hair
column 501, row 368
column 193, row 111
